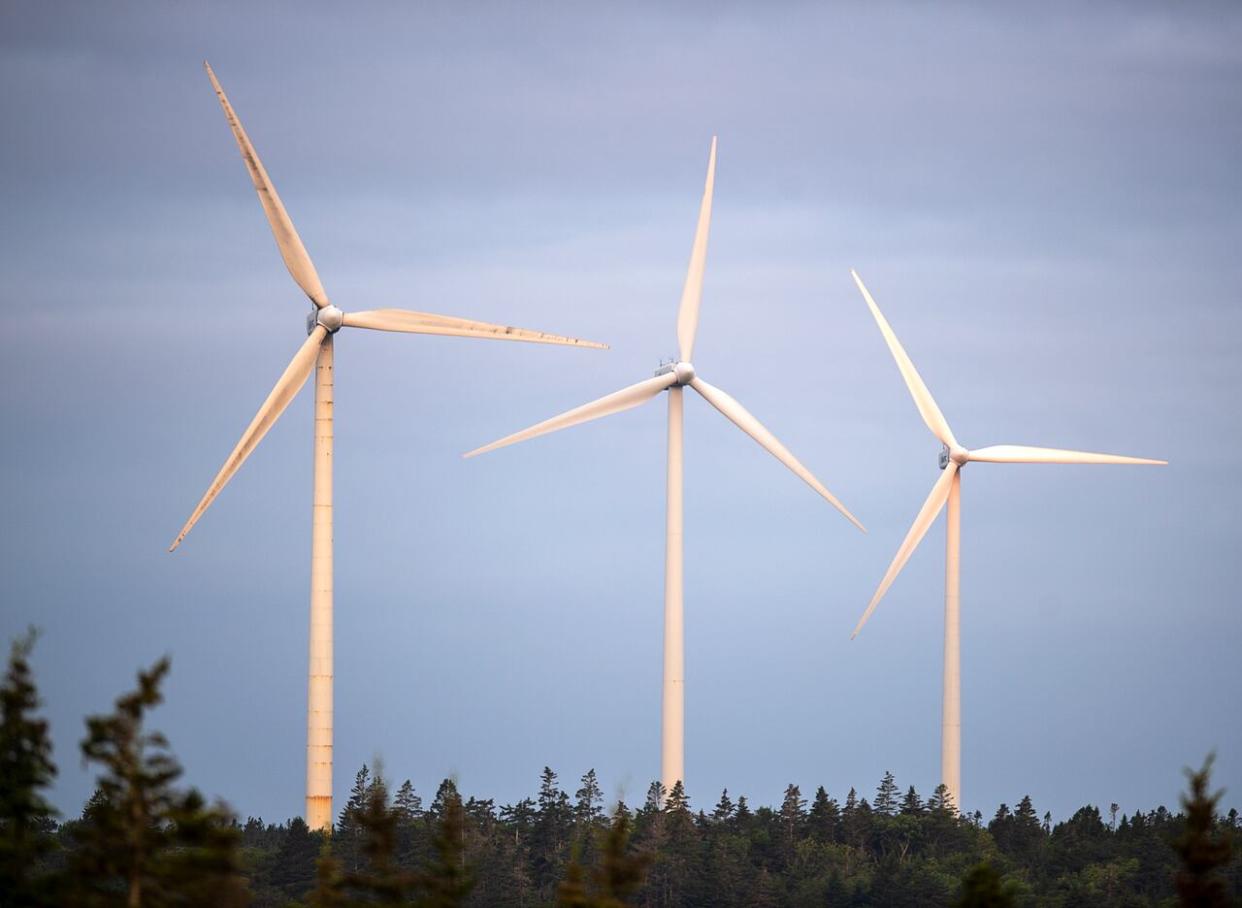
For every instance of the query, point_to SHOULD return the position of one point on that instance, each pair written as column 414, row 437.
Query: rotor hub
column 684, row 373
column 956, row 454
column 329, row 316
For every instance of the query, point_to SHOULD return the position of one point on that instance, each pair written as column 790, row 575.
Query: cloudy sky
column 1045, row 203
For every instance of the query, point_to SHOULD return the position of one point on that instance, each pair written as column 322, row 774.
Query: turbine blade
column 918, row 390
column 625, row 399
column 1028, row 454
column 411, row 322
column 692, row 292
column 297, row 259
column 287, row 387
column 931, row 507
column 742, row 418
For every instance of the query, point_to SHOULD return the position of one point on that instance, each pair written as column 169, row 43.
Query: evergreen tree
column 1204, row 850
column 886, row 796
column 407, row 804
column 26, row 771
column 793, row 815
column 941, row 801
column 329, row 891
column 618, row 876
column 348, row 837
column 724, row 808
column 911, row 804
column 447, row 882
column 589, row 807
column 293, row 868
column 982, row 888
column 550, row 835
column 381, row 880
column 139, row 835
column 742, row 817
column 446, row 793
column 824, row 820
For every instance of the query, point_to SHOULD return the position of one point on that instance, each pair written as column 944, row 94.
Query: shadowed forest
column 144, row 839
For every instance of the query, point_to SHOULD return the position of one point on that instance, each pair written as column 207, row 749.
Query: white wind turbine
column 315, row 353
column 672, row 378
column 948, row 489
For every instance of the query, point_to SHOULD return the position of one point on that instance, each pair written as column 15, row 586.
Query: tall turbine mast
column 317, row 353
column 673, row 378
column 948, row 490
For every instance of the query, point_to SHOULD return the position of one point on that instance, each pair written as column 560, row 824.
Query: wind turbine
column 316, row 353
column 948, row 490
column 673, row 377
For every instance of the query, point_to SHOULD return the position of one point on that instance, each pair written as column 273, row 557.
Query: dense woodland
column 143, row 839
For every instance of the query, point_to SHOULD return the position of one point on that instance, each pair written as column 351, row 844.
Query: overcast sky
column 1045, row 203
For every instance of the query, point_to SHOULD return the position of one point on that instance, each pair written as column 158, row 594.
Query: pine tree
column 911, row 804
column 26, row 771
column 886, row 796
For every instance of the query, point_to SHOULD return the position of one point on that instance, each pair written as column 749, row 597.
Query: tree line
column 143, row 839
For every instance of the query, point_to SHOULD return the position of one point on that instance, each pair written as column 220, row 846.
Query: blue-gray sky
column 1044, row 202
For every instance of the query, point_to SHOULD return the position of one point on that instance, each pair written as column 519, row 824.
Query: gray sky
column 1045, row 203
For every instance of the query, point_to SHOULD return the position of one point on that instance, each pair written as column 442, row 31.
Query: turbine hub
column 957, row 454
column 329, row 316
column 684, row 373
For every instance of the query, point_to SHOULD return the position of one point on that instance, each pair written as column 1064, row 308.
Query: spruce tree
column 381, row 879
column 824, row 820
column 793, row 815
column 886, row 796
column 1203, row 849
column 589, row 807
column 724, row 808
column 26, row 771
column 550, row 835
column 407, row 804
column 348, row 836
column 447, row 883
column 140, row 835
column 911, row 804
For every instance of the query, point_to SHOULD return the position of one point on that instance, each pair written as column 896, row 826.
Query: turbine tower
column 316, row 353
column 947, row 490
column 673, row 378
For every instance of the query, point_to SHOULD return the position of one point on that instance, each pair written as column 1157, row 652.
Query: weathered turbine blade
column 744, row 420
column 931, row 507
column 625, row 399
column 692, row 291
column 918, row 390
column 297, row 259
column 1028, row 454
column 412, row 322
column 287, row 387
